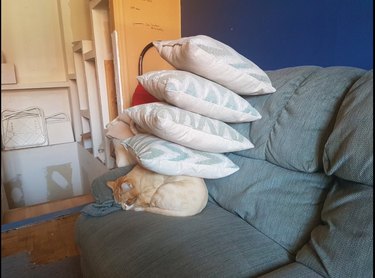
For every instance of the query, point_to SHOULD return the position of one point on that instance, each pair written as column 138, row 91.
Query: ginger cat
column 144, row 190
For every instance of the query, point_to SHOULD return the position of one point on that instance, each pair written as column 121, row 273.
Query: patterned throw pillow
column 216, row 61
column 168, row 158
column 197, row 94
column 186, row 128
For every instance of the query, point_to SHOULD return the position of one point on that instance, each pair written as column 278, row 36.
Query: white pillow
column 186, row 128
column 197, row 94
column 167, row 158
column 216, row 61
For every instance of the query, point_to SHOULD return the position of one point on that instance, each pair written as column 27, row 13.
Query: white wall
column 35, row 35
column 30, row 38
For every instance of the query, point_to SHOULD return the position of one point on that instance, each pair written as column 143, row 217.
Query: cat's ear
column 111, row 184
column 126, row 186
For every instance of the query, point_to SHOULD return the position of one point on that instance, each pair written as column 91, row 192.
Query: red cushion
column 141, row 96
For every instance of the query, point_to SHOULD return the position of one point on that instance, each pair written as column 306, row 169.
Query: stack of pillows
column 186, row 133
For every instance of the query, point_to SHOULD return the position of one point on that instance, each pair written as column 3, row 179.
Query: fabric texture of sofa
column 301, row 204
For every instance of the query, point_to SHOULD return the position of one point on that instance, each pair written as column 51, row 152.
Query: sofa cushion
column 298, row 118
column 283, row 204
column 213, row 243
column 293, row 270
column 349, row 151
column 281, row 186
column 342, row 245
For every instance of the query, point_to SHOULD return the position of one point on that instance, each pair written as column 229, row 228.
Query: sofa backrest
column 283, row 182
column 342, row 245
column 348, row 153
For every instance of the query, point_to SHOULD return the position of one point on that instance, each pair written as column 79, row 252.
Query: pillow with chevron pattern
column 197, row 94
column 186, row 128
column 216, row 61
column 168, row 158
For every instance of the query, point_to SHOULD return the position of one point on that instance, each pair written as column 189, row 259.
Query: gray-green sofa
column 301, row 204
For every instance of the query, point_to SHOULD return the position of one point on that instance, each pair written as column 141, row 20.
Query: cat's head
column 124, row 192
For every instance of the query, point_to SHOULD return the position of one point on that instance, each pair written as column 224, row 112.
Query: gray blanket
column 104, row 202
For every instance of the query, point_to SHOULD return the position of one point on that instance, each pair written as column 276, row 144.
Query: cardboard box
column 8, row 74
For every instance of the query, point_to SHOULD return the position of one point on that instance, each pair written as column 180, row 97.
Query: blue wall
column 283, row 33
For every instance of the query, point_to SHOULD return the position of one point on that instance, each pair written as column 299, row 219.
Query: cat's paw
column 127, row 207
